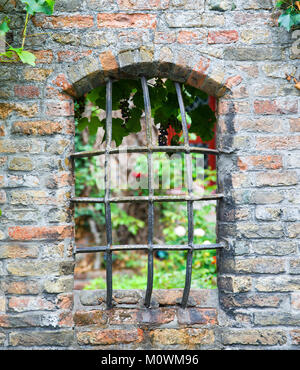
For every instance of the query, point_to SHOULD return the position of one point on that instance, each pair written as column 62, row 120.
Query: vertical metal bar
column 151, row 191
column 108, row 223
column 190, row 203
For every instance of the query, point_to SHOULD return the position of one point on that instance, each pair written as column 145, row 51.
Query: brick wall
column 230, row 49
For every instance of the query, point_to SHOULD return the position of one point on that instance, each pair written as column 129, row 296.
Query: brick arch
column 197, row 71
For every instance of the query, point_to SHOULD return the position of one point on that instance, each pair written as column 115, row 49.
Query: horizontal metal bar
column 147, row 247
column 146, row 149
column 155, row 198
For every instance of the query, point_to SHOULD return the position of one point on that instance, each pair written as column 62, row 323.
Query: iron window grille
column 190, row 247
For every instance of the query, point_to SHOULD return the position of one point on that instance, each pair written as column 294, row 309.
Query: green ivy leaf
column 25, row 56
column 280, row 3
column 39, row 6
column 98, row 97
column 286, row 21
column 296, row 19
column 94, row 124
column 4, row 28
column 82, row 123
column 118, row 131
column 134, row 123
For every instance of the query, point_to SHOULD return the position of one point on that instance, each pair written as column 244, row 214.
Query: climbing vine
column 31, row 7
column 290, row 16
column 128, row 99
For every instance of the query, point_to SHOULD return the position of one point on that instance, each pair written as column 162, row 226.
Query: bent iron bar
column 108, row 221
column 190, row 203
column 151, row 198
column 147, row 105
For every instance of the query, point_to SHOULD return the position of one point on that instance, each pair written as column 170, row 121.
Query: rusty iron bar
column 145, row 149
column 154, row 198
column 190, row 203
column 147, row 105
column 108, row 220
column 155, row 247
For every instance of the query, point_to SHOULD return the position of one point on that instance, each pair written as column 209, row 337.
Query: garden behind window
column 174, row 116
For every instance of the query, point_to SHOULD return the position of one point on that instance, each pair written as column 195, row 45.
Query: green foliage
column 290, row 16
column 170, row 266
column 87, row 175
column 120, row 218
column 170, row 271
column 31, row 7
column 165, row 109
column 39, row 6
column 4, row 26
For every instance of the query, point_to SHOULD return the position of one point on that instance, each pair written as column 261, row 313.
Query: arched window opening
column 173, row 173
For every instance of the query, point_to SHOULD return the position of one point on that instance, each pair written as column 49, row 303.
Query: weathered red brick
column 62, row 338
column 260, row 161
column 21, row 109
column 37, row 127
column 20, row 304
column 109, row 62
column 94, row 317
column 62, row 82
column 295, row 125
column 222, row 37
column 54, row 93
column 43, row 56
column 257, row 337
column 233, row 81
column 198, row 75
column 60, row 109
column 262, row 124
column 18, row 251
column 67, row 21
column 143, row 4
column 27, row 91
column 65, row 301
column 124, row 20
column 68, row 56
column 189, row 336
column 285, row 178
column 162, row 37
column 276, row 106
column 110, row 336
column 191, row 316
column 295, row 301
column 66, row 319
column 37, row 74
column 22, row 287
column 226, row 107
column 40, row 232
column 192, row 37
column 278, row 142
column 295, row 335
column 59, row 181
